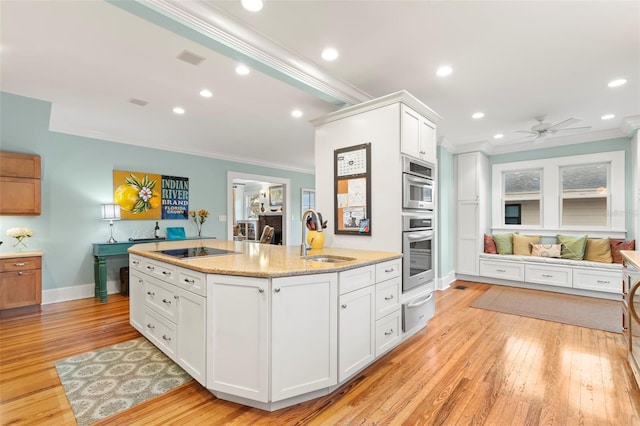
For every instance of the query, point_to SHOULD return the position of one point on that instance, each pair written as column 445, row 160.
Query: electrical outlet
column 222, row 218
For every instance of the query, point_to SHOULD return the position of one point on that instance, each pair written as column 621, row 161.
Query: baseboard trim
column 446, row 281
column 83, row 291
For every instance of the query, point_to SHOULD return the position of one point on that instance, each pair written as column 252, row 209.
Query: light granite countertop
column 29, row 253
column 260, row 260
column 633, row 257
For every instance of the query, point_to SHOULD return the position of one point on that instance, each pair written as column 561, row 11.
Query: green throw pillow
column 572, row 246
column 504, row 243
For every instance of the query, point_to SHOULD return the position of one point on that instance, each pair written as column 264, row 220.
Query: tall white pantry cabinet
column 471, row 178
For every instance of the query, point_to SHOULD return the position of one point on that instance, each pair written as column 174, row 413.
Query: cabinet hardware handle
column 604, row 282
column 547, row 275
column 175, row 296
column 388, row 270
column 166, row 273
column 168, row 339
column 150, row 293
column 187, row 280
column 423, row 152
column 135, row 262
column 501, row 270
column 140, row 281
column 21, row 264
column 388, row 333
column 151, row 326
column 151, row 268
column 277, row 290
column 20, row 273
column 168, row 302
column 344, row 306
column 389, row 297
column 261, row 290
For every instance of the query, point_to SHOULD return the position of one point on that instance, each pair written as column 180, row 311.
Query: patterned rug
column 112, row 379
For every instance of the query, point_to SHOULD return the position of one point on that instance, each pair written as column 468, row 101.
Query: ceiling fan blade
column 573, row 128
column 525, row 131
column 564, row 123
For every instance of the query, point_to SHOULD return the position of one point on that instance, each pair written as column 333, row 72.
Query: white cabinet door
column 356, row 345
column 304, row 334
column 238, row 339
column 417, row 135
column 136, row 299
column 468, row 238
column 191, row 346
column 467, row 177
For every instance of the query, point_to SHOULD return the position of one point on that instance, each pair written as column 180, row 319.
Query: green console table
column 103, row 250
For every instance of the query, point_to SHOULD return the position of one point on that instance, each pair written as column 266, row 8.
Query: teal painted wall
column 77, row 176
column 618, row 144
column 446, row 213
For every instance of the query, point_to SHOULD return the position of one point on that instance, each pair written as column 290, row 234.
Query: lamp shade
column 110, row 212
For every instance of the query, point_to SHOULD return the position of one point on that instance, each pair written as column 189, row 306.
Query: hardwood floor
column 469, row 366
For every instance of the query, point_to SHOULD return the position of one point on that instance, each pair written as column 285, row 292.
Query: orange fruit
column 126, row 196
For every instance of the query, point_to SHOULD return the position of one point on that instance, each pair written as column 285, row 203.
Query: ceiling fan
column 542, row 129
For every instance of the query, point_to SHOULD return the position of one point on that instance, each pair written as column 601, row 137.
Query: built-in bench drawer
column 504, row 270
column 560, row 276
column 589, row 279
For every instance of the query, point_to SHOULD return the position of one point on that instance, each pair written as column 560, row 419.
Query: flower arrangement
column 20, row 234
column 199, row 218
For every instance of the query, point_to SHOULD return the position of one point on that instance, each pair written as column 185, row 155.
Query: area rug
column 600, row 314
column 109, row 380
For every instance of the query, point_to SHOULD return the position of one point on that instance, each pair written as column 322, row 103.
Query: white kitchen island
column 261, row 326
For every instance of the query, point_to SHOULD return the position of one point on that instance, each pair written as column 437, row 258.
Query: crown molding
column 204, row 23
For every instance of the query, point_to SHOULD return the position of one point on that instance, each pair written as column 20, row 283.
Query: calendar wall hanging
column 352, row 186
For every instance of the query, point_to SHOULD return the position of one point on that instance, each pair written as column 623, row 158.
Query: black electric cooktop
column 195, row 252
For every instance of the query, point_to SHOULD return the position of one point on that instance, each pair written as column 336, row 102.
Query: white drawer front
column 550, row 275
column 388, row 332
column 161, row 332
column 193, row 281
column 355, row 279
column 588, row 279
column 387, row 297
column 163, row 271
column 136, row 263
column 387, row 270
column 162, row 297
column 505, row 270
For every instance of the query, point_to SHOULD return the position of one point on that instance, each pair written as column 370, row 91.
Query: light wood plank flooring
column 469, row 366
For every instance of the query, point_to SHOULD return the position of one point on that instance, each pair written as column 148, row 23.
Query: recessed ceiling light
column 242, row 70
column 477, row 115
column 608, row 116
column 206, row 93
column 444, row 71
column 253, row 5
column 179, row 110
column 498, row 136
column 616, row 83
column 296, row 113
column 329, row 54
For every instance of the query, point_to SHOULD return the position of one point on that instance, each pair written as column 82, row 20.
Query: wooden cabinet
column 20, row 283
column 168, row 306
column 19, row 184
column 417, row 135
column 304, row 334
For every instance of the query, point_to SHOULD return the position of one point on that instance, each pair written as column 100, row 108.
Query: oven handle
column 419, row 180
column 419, row 235
column 419, row 302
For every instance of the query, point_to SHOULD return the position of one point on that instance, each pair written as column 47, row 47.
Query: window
column 578, row 193
column 521, row 197
column 585, row 195
column 308, row 200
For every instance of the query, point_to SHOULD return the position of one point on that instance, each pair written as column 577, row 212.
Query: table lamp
column 111, row 212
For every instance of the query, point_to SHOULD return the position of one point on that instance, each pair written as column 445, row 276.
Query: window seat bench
column 580, row 277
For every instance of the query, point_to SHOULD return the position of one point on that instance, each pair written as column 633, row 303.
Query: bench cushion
column 551, row 261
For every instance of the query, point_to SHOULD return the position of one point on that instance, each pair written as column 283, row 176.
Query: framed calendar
column 352, row 187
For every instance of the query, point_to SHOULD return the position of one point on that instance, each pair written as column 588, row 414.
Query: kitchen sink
column 328, row 258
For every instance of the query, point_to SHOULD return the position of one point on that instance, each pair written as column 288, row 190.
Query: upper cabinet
column 418, row 135
column 19, row 184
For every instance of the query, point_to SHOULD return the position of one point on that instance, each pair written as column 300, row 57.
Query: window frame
column 576, row 196
column 551, row 196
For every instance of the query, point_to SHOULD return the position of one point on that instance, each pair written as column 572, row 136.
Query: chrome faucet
column 304, row 247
